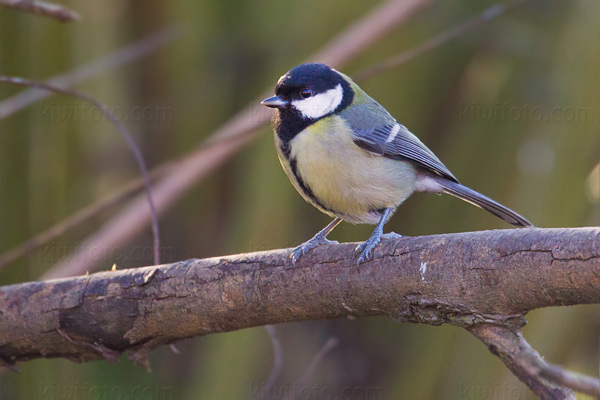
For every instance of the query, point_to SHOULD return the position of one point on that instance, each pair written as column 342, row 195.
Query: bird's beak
column 275, row 102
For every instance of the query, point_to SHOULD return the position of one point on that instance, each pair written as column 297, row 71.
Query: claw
column 366, row 248
column 309, row 245
column 318, row 240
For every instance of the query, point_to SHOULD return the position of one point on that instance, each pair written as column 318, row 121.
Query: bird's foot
column 391, row 236
column 367, row 247
column 318, row 240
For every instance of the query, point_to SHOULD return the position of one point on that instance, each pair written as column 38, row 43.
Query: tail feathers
column 477, row 199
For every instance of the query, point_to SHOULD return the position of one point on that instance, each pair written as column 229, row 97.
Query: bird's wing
column 378, row 132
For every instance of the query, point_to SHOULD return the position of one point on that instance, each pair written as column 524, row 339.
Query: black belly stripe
column 379, row 211
column 285, row 149
column 305, row 188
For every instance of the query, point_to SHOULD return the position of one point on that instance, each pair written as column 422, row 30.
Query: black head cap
column 293, row 97
column 316, row 77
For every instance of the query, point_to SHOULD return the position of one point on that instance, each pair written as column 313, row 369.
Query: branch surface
column 462, row 279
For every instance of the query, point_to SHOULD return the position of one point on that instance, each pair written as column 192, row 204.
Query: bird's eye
column 306, row 93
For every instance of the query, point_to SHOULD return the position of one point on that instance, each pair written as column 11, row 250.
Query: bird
column 348, row 157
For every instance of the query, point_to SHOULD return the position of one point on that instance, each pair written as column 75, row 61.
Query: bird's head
column 311, row 92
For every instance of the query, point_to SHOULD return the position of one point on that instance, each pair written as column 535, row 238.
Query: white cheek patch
column 321, row 104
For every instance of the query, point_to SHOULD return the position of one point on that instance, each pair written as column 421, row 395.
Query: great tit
column 348, row 157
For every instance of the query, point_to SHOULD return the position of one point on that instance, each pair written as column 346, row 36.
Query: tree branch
column 301, row 383
column 123, row 56
column 137, row 153
column 474, row 280
column 54, row 11
column 454, row 32
column 509, row 345
column 546, row 380
column 79, row 217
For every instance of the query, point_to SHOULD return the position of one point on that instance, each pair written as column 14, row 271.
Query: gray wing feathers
column 407, row 145
column 367, row 116
column 389, row 138
column 378, row 132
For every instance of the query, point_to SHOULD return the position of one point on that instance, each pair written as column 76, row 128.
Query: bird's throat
column 288, row 123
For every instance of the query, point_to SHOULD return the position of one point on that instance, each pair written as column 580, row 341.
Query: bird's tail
column 477, row 199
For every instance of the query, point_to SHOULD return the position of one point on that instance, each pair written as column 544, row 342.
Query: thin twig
column 80, row 217
column 277, row 362
column 121, row 57
column 31, row 95
column 124, row 131
column 577, row 382
column 508, row 344
column 400, row 59
column 54, row 11
column 364, row 32
column 314, row 363
column 277, row 356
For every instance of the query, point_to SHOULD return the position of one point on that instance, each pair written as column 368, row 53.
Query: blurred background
column 512, row 108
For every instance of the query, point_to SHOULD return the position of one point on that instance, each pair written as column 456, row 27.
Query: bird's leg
column 317, row 240
column 367, row 247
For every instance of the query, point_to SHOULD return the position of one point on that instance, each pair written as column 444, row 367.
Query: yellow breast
column 347, row 180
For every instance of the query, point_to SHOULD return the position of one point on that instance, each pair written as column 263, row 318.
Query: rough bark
column 472, row 280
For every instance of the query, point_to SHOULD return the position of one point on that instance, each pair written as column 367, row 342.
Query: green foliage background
column 540, row 57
